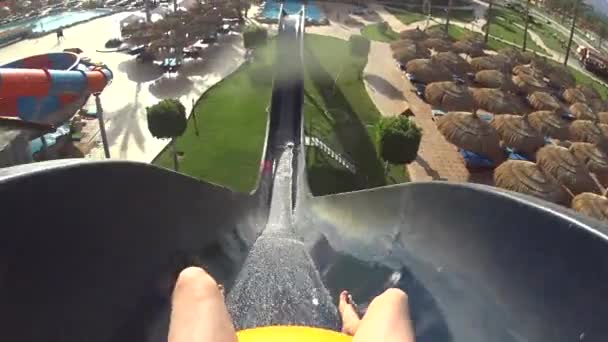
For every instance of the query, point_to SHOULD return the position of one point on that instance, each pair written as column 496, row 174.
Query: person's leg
column 198, row 312
column 387, row 319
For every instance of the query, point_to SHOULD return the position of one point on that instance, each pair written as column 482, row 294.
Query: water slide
column 480, row 264
column 49, row 88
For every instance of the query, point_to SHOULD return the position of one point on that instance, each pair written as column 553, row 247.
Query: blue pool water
column 54, row 21
column 271, row 9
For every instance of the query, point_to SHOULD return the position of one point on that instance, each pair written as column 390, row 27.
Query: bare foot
column 350, row 318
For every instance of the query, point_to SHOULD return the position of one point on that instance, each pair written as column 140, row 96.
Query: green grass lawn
column 504, row 26
column 581, row 78
column 232, row 122
column 457, row 33
column 372, row 32
column 406, row 17
column 338, row 109
column 554, row 40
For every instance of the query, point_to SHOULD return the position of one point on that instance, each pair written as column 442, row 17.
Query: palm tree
column 527, row 19
column 488, row 21
column 447, row 17
column 576, row 5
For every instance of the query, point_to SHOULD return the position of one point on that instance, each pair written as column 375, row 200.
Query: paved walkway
column 384, row 81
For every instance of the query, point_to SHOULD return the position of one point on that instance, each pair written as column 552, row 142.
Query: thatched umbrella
column 495, row 62
column 525, row 177
column 437, row 44
column 528, row 84
column 603, row 117
column 592, row 157
column 559, row 163
column 589, row 131
column 541, row 64
column 426, row 71
column 515, row 55
column 456, row 64
column 597, row 105
column 549, row 123
column 527, row 70
column 515, row 131
column 494, row 79
column 468, row 48
column 541, row 100
column 449, row 96
column 401, row 44
column 592, row 205
column 498, row 102
column 560, row 77
column 468, row 131
column 573, row 95
column 415, row 34
column 589, row 92
column 582, row 111
column 408, row 53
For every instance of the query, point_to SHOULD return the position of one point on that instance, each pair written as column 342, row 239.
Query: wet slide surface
column 89, row 250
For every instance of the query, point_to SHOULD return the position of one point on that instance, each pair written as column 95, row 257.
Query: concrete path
column 384, row 81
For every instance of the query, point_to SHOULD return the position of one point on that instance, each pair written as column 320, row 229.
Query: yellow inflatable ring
column 291, row 334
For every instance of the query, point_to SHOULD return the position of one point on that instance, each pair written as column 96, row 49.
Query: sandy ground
column 135, row 86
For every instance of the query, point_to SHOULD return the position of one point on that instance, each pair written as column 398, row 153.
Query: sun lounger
column 474, row 160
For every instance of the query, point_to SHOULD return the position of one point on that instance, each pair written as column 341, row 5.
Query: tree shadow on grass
column 349, row 129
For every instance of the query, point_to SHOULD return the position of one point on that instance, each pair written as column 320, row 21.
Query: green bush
column 359, row 45
column 254, row 36
column 399, row 139
column 383, row 27
column 113, row 43
column 167, row 119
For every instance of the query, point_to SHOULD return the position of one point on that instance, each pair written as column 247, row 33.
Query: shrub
column 113, row 43
column 254, row 36
column 383, row 27
column 399, row 139
column 167, row 119
column 359, row 45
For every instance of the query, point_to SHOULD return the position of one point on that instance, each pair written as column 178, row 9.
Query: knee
column 196, row 282
column 391, row 297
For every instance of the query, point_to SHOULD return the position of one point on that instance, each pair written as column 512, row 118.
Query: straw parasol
column 527, row 70
column 597, row 105
column 591, row 156
column 449, row 96
column 541, row 100
column 415, row 34
column 468, row 131
column 560, row 77
column 452, row 61
column 468, row 48
column 498, row 102
column 589, row 92
column 437, row 44
column 528, row 84
column 515, row 55
column 573, row 95
column 401, row 44
column 559, row 163
column 541, row 64
column 525, row 177
column 582, row 111
column 589, row 131
column 515, row 131
column 426, row 71
column 494, row 62
column 603, row 117
column 408, row 53
column 592, row 205
column 494, row 79
column 549, row 123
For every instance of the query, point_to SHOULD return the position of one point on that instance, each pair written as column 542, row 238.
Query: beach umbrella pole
column 102, row 126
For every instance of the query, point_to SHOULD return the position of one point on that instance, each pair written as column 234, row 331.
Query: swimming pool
column 271, row 9
column 54, row 21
